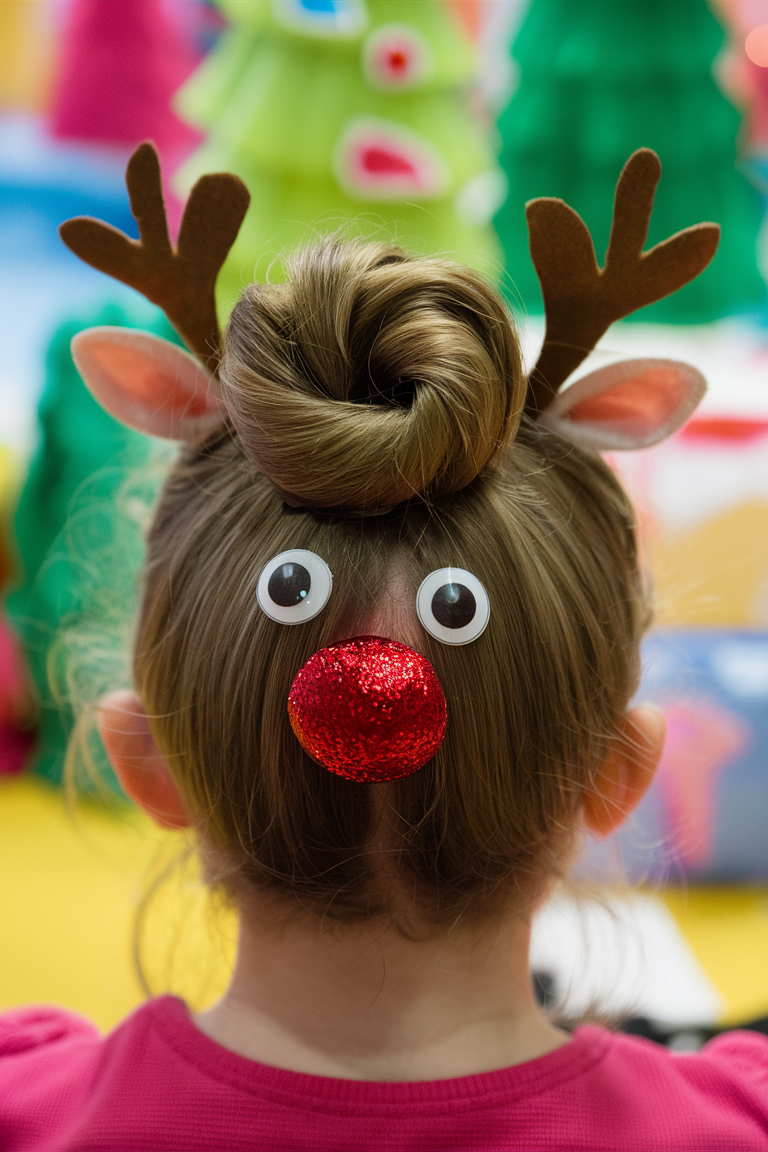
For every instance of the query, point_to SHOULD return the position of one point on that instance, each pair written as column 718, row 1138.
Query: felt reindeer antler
column 180, row 281
column 582, row 300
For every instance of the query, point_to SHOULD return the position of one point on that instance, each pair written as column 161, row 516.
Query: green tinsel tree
column 334, row 111
column 79, row 539
column 598, row 79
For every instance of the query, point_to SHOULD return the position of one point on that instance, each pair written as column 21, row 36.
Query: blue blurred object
column 706, row 814
column 43, row 182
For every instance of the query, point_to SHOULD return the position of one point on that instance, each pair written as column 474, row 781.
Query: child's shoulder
column 678, row 1100
column 157, row 1082
column 51, row 1061
column 747, row 1051
column 733, row 1057
column 41, row 1026
column 47, row 1055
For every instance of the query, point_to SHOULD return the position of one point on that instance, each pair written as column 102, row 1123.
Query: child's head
column 533, row 702
column 373, row 412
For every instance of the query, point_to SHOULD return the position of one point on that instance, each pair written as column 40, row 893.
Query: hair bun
column 370, row 376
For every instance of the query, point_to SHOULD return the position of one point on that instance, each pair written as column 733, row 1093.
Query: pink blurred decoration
column 121, row 62
column 745, row 79
column 16, row 739
column 703, row 738
column 756, row 45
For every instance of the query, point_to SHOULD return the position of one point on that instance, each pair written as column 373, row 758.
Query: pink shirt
column 158, row 1083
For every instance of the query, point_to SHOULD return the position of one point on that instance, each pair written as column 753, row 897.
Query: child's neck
column 365, row 1003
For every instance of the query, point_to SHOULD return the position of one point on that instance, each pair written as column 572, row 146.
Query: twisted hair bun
column 371, row 377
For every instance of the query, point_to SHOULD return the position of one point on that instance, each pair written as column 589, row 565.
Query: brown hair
column 374, row 381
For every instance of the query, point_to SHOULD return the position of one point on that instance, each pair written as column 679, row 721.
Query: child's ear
column 137, row 761
column 626, row 772
column 631, row 404
column 147, row 383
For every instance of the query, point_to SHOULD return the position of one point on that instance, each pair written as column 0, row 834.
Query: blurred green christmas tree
column 599, row 79
column 345, row 110
column 79, row 539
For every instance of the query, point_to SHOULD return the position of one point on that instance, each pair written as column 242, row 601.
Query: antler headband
column 581, row 300
column 182, row 281
column 157, row 388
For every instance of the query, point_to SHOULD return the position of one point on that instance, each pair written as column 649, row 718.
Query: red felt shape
column 632, row 404
column 148, row 384
column 368, row 709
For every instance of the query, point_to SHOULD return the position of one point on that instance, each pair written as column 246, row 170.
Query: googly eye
column 294, row 586
column 397, row 56
column 453, row 606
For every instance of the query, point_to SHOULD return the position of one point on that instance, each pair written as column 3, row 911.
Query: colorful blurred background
column 432, row 121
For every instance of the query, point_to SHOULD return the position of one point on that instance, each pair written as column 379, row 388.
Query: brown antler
column 581, row 301
column 181, row 282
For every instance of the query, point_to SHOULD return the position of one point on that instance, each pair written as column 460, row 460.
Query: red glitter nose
column 368, row 709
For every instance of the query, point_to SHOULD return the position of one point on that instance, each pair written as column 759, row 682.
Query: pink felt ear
column 147, row 383
column 632, row 404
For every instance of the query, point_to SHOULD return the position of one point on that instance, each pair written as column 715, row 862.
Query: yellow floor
column 69, row 895
column 70, row 891
column 727, row 930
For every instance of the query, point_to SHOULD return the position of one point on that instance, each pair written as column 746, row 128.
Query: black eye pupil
column 454, row 606
column 289, row 585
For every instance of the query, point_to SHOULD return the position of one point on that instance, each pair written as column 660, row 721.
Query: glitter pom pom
column 368, row 709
